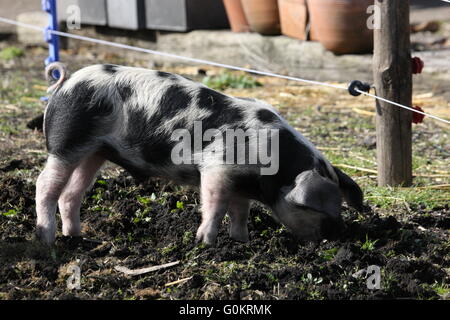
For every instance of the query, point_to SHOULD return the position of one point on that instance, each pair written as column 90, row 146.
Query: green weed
column 227, row 80
column 10, row 213
column 368, row 245
column 329, row 254
column 11, row 53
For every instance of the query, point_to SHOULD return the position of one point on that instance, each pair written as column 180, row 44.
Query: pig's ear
column 352, row 192
column 316, row 192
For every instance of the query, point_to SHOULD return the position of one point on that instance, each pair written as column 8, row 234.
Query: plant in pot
column 341, row 25
column 263, row 16
column 236, row 15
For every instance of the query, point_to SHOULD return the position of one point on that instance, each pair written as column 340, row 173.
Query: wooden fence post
column 393, row 80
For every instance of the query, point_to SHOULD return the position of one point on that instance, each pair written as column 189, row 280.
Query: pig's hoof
column 45, row 235
column 205, row 237
column 239, row 236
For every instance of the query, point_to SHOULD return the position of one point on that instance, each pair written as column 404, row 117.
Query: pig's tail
column 55, row 71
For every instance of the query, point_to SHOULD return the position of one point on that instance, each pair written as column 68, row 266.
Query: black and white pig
column 128, row 116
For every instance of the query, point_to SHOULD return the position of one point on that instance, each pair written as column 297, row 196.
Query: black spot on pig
column 125, row 92
column 211, row 100
column 246, row 184
column 112, row 154
column 166, row 75
column 143, row 134
column 224, row 112
column 173, row 101
column 163, row 74
column 74, row 117
column 266, row 116
column 154, row 146
column 110, row 68
column 158, row 149
column 224, row 118
column 188, row 175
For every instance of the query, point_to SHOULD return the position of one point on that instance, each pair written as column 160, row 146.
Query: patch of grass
column 145, row 201
column 388, row 280
column 188, row 236
column 8, row 129
column 418, row 162
column 386, row 197
column 315, row 295
column 22, row 92
column 272, row 278
column 368, row 245
column 227, row 80
column 441, row 289
column 130, row 237
column 167, row 250
column 102, row 182
column 98, row 196
column 195, row 251
column 180, row 205
column 329, row 254
column 358, row 157
column 11, row 53
column 10, row 213
column 142, row 216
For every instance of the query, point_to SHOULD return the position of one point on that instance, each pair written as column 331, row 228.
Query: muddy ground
column 405, row 232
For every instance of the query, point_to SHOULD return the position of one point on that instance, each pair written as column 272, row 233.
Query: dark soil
column 120, row 230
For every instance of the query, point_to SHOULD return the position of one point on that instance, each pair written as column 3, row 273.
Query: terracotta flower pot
column 341, row 25
column 294, row 18
column 236, row 15
column 262, row 15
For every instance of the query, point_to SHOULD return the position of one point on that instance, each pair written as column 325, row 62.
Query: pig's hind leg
column 238, row 210
column 70, row 200
column 214, row 198
column 49, row 186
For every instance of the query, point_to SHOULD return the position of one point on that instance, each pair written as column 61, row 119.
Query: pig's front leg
column 238, row 211
column 214, row 198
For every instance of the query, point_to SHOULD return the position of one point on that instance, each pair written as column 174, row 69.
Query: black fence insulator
column 358, row 85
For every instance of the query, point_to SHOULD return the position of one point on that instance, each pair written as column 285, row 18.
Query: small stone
column 147, row 293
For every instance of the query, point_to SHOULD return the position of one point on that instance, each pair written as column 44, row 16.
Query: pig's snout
column 332, row 228
column 311, row 225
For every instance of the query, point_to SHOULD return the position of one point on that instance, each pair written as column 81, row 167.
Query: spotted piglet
column 157, row 124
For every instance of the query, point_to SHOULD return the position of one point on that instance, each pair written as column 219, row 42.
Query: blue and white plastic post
column 49, row 6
